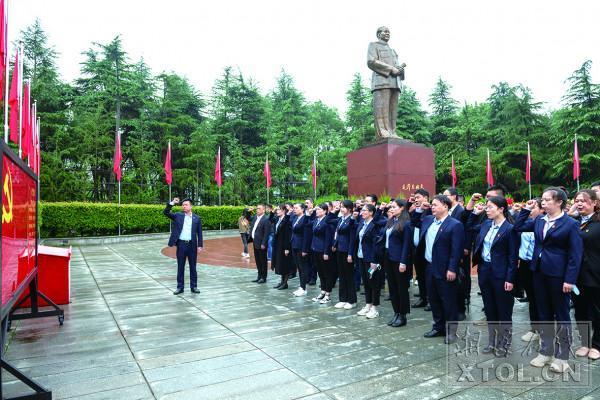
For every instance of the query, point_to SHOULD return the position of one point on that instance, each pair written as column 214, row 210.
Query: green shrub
column 102, row 219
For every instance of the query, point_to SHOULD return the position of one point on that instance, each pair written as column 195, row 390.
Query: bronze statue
column 385, row 84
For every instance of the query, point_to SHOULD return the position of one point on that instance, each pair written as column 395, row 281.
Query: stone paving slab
column 126, row 336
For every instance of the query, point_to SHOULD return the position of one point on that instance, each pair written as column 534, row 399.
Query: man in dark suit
column 260, row 228
column 417, row 247
column 186, row 233
column 444, row 240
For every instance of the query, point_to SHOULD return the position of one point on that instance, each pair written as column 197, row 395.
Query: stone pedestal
column 392, row 166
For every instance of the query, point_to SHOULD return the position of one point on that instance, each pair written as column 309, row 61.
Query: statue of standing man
column 385, row 83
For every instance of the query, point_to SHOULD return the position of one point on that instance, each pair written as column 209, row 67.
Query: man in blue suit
column 186, row 233
column 444, row 242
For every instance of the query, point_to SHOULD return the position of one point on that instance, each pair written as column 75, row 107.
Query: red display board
column 19, row 213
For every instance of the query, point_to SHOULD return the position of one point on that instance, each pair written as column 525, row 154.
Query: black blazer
column 261, row 236
column 344, row 235
column 589, row 274
column 178, row 219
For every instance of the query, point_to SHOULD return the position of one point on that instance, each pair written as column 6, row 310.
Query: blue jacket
column 178, row 219
column 399, row 245
column 559, row 254
column 504, row 252
column 322, row 236
column 368, row 240
column 301, row 233
column 344, row 234
column 448, row 245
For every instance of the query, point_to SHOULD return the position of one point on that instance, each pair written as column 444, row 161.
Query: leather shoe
column 278, row 285
column 262, row 280
column 393, row 320
column 255, row 280
column 450, row 339
column 427, row 308
column 401, row 321
column 283, row 287
column 420, row 303
column 433, row 333
column 178, row 291
column 488, row 349
column 195, row 290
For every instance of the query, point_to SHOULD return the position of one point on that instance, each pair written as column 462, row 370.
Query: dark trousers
column 357, row 274
column 346, row 274
column 587, row 309
column 324, row 271
column 397, row 285
column 260, row 256
column 526, row 282
column 186, row 250
column 302, row 266
column 442, row 299
column 498, row 305
column 372, row 284
column 464, row 290
column 245, row 241
column 553, row 305
column 421, row 277
column 312, row 268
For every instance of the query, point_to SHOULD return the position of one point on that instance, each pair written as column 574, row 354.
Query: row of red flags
column 22, row 111
column 490, row 176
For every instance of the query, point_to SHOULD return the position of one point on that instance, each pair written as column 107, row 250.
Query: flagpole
column 20, row 94
column 529, row 167
column 315, row 177
column 219, row 177
column 268, row 178
column 6, row 59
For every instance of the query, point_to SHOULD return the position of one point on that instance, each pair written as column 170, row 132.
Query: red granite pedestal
column 392, row 166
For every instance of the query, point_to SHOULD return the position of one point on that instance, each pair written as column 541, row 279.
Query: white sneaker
column 560, row 366
column 325, row 300
column 319, row 297
column 541, row 360
column 363, row 311
column 530, row 336
column 300, row 292
column 245, row 255
column 341, row 304
column 582, row 351
column 373, row 313
column 349, row 306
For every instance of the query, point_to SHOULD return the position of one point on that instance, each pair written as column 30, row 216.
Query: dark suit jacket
column 368, row 240
column 561, row 250
column 504, row 252
column 447, row 247
column 301, row 233
column 346, row 231
column 590, row 266
column 417, row 253
column 261, row 236
column 457, row 213
column 399, row 244
column 322, row 236
column 178, row 219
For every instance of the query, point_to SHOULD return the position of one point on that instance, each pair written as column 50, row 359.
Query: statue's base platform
column 393, row 166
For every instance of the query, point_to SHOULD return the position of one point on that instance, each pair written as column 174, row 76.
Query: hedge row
column 102, row 219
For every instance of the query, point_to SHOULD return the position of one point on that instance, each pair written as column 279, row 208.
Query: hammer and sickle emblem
column 7, row 189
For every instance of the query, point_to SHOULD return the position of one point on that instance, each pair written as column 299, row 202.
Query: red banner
column 18, row 227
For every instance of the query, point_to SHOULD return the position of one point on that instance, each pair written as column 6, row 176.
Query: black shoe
column 450, row 339
column 195, row 290
column 255, row 280
column 278, row 285
column 417, row 295
column 401, row 321
column 388, row 298
column 427, row 308
column 433, row 333
column 523, row 300
column 312, row 283
column 262, row 280
column 282, row 287
column 419, row 304
column 393, row 320
column 178, row 291
column 461, row 316
column 488, row 349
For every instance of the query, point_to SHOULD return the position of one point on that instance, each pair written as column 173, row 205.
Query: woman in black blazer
column 372, row 276
column 281, row 260
column 343, row 248
column 587, row 304
column 495, row 253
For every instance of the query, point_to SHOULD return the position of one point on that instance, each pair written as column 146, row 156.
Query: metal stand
column 35, row 312
column 41, row 393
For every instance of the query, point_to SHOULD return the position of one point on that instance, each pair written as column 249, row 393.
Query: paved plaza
column 126, row 336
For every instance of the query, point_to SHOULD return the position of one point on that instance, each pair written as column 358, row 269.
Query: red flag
column 218, row 169
column 3, row 45
column 313, row 173
column 117, row 160
column 13, row 101
column 26, row 139
column 267, row 172
column 575, row 161
column 488, row 170
column 453, row 172
column 528, row 165
column 168, row 171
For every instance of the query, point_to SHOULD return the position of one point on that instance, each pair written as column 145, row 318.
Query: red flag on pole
column 267, row 172
column 575, row 161
column 218, row 178
column 26, row 138
column 3, row 44
column 453, row 172
column 528, row 165
column 117, row 159
column 313, row 173
column 13, row 101
column 488, row 170
column 168, row 171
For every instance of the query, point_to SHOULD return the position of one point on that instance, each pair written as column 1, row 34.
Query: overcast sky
column 472, row 44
